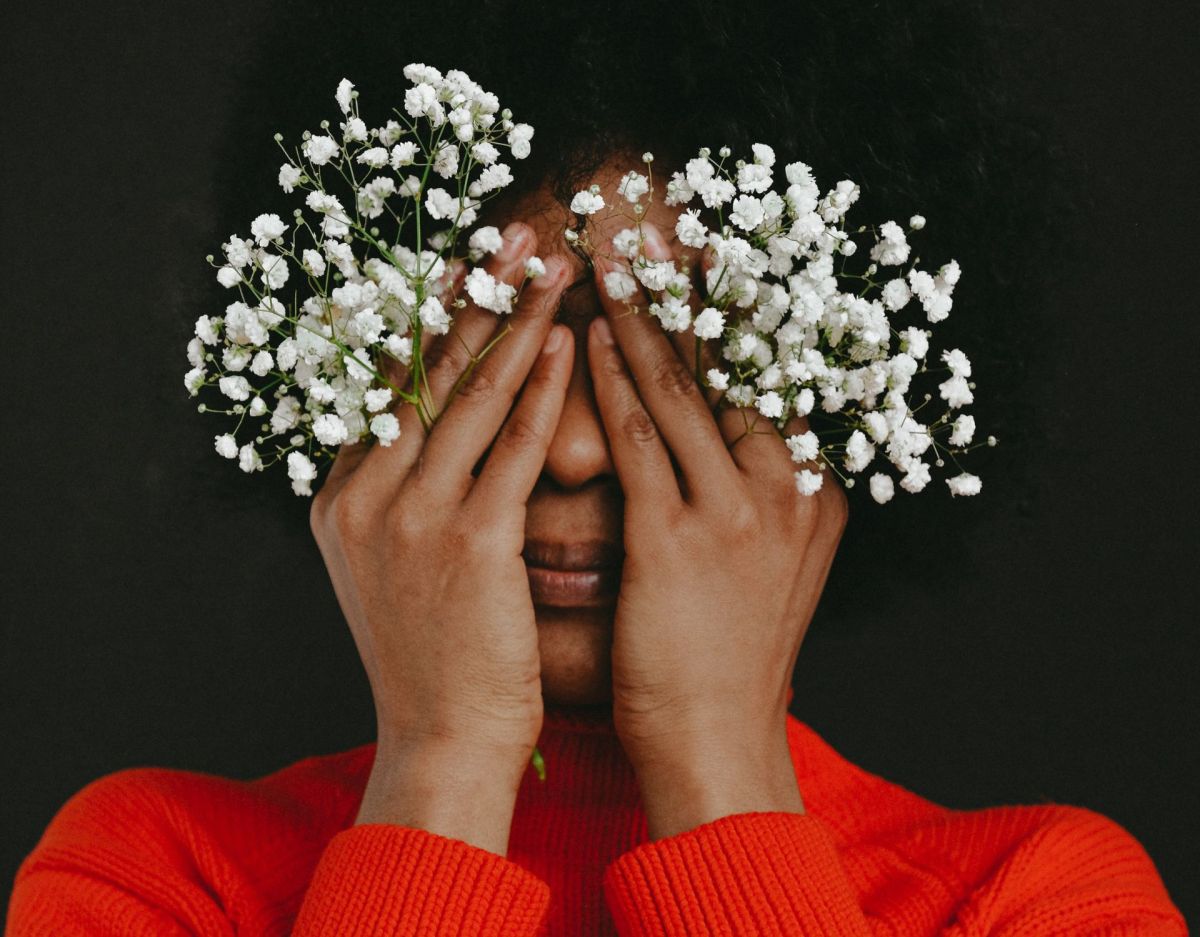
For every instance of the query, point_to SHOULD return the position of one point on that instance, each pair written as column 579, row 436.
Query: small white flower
column 249, row 459
column 343, row 94
column 916, row 222
column 619, row 285
column 386, row 428
column 691, row 230
column 314, row 262
column 896, row 294
column 809, row 482
column 770, row 405
column 354, row 130
column 955, row 392
column 289, row 177
column 486, row 240
column 717, row 379
column 194, row 380
column 893, row 247
column 627, row 242
column 959, row 363
column 747, row 212
column 914, row 342
column 917, row 476
column 803, row 447
column 403, row 154
column 964, row 484
column 376, row 157
column 709, row 324
column 534, row 267
column 518, row 140
column 266, row 228
column 226, row 446
column 301, row 471
column 964, row 430
column 228, row 277
column 262, row 364
column 376, row 399
column 805, row 401
column 877, row 425
column 882, row 488
column 329, row 429
column 586, row 203
column 633, row 186
column 320, row 149
column 433, row 316
column 859, row 452
column 235, row 388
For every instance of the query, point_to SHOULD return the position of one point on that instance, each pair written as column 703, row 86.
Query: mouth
column 582, row 573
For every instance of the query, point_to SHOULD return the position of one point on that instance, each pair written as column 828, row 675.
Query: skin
column 611, row 440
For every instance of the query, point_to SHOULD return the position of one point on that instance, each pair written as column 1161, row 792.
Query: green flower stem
column 539, row 765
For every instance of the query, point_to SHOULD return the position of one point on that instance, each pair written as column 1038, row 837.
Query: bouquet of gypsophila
column 302, row 377
column 790, row 328
column 368, row 265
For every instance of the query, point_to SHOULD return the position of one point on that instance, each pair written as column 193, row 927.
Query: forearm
column 685, row 789
column 461, row 796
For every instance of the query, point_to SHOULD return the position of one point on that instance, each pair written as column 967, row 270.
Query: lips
column 582, row 573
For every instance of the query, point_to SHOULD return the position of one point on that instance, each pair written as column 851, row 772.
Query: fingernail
column 513, row 236
column 603, row 330
column 554, row 340
column 654, row 237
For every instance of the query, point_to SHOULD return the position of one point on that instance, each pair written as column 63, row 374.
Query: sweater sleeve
column 1077, row 875
column 749, row 873
column 115, row 861
column 380, row 879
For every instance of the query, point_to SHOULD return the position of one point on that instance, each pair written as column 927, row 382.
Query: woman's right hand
column 425, row 558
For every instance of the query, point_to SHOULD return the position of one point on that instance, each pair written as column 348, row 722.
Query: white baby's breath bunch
column 797, row 330
column 326, row 297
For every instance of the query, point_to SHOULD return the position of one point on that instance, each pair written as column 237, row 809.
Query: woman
column 612, row 573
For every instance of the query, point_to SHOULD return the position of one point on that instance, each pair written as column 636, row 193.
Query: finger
column 519, row 452
column 669, row 393
column 698, row 354
column 450, row 355
column 638, row 452
column 477, row 411
column 395, row 370
column 762, row 452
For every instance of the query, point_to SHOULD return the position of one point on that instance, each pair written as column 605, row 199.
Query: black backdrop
column 155, row 615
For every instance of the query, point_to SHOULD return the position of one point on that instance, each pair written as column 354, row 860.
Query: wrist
column 695, row 787
column 467, row 795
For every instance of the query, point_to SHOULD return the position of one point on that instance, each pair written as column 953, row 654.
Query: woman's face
column 573, row 530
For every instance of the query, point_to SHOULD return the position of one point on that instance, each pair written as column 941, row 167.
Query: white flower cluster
column 796, row 331
column 305, row 375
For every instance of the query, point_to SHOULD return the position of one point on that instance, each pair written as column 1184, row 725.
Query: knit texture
column 152, row 851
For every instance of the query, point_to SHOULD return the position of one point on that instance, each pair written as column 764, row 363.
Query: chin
column 575, row 645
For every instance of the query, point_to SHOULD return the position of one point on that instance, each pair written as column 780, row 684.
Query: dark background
column 156, row 614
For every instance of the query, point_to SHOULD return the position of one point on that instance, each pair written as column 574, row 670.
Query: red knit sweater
column 150, row 851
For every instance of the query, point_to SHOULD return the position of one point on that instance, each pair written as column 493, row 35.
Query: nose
column 578, row 452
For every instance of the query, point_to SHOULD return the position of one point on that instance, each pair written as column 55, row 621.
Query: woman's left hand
column 724, row 565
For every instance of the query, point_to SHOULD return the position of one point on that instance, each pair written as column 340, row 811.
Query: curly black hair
column 912, row 100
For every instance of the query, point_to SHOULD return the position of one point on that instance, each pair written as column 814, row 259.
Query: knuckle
column 481, row 383
column 742, row 522
column 524, row 428
column 407, row 525
column 348, row 512
column 671, row 376
column 638, row 427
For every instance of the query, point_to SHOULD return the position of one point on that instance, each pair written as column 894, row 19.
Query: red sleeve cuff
column 383, row 879
column 749, row 873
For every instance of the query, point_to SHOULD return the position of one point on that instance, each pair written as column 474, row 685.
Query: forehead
column 550, row 217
